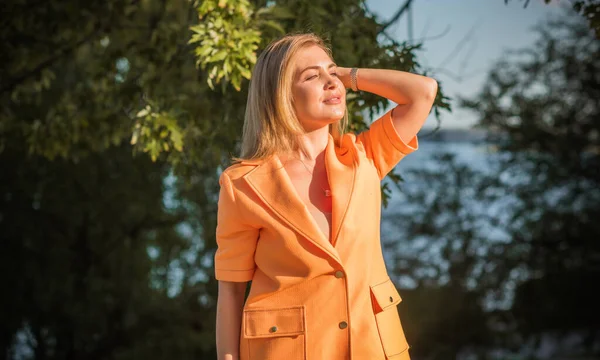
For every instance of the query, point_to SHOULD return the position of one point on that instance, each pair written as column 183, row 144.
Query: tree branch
column 397, row 15
column 524, row 6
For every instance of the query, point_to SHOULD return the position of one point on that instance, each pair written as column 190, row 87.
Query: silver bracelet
column 353, row 73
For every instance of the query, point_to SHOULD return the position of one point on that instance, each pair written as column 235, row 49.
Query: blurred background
column 117, row 117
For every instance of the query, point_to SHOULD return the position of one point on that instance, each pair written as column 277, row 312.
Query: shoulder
column 239, row 169
column 351, row 141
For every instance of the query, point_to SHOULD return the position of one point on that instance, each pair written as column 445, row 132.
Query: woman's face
column 319, row 95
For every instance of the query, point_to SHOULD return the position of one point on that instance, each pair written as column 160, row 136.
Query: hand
column 343, row 74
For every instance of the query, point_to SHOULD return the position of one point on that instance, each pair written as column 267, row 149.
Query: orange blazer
column 311, row 297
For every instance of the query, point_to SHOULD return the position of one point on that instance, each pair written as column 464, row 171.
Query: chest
column 312, row 189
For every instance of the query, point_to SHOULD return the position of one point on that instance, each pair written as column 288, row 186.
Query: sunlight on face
column 319, row 95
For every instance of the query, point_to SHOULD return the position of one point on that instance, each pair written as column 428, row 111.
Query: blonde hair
column 270, row 121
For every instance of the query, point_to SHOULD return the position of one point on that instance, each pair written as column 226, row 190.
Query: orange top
column 312, row 298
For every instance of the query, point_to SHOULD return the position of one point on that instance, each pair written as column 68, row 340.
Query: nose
column 331, row 82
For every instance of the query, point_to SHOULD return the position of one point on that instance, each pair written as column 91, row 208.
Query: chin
column 337, row 116
column 330, row 118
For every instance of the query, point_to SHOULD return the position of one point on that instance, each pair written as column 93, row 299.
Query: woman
column 299, row 211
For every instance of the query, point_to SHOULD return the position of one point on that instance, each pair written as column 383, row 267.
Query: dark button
column 339, row 274
column 273, row 329
column 343, row 325
column 391, row 299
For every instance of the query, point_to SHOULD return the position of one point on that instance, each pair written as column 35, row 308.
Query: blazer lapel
column 341, row 171
column 271, row 183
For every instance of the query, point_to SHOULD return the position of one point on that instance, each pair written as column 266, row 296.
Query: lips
column 335, row 99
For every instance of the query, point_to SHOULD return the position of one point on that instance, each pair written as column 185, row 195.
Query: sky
column 462, row 39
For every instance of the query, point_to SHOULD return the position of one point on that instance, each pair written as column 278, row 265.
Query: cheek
column 342, row 90
column 304, row 98
column 301, row 97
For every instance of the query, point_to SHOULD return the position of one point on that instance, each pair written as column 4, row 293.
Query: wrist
column 354, row 79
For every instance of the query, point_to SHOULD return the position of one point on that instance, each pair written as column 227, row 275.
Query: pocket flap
column 385, row 294
column 260, row 323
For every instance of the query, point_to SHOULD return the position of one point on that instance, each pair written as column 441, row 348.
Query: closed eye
column 314, row 76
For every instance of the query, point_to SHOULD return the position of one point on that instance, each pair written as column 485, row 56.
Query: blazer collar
column 272, row 184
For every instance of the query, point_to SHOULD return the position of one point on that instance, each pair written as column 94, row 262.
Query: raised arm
column 413, row 93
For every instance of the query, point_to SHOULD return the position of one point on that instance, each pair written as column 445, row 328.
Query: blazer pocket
column 385, row 299
column 275, row 333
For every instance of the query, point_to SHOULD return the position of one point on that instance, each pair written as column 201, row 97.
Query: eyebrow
column 317, row 67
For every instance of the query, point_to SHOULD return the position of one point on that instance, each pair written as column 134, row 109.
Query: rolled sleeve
column 236, row 239
column 383, row 146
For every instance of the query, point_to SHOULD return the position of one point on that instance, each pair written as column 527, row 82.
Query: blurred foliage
column 503, row 257
column 589, row 9
column 79, row 281
column 449, row 255
column 542, row 108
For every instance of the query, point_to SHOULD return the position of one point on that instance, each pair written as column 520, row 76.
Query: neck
column 313, row 144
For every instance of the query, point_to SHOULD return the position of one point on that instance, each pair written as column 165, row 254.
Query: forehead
column 312, row 55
